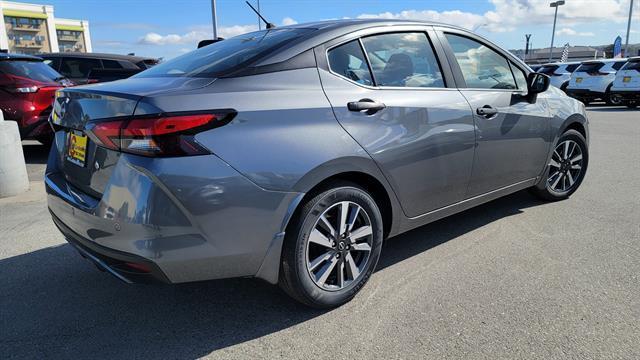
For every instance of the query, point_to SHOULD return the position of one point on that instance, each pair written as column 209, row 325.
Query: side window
column 618, row 65
column 348, row 60
column 111, row 64
column 79, row 68
column 482, row 68
column 403, row 59
column 519, row 75
column 53, row 62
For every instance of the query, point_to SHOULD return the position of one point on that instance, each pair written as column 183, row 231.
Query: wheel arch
column 358, row 170
column 361, row 171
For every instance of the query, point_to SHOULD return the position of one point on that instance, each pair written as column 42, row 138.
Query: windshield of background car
column 225, row 56
column 590, row 67
column 548, row 69
column 35, row 70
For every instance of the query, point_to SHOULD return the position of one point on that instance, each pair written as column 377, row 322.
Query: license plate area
column 77, row 148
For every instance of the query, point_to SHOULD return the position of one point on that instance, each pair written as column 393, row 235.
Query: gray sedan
column 290, row 154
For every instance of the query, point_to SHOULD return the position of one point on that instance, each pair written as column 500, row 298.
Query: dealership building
column 33, row 29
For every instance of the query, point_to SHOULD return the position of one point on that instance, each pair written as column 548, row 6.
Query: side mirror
column 536, row 83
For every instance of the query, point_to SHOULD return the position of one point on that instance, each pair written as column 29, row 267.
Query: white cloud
column 508, row 15
column 195, row 35
column 288, row 21
column 455, row 17
column 571, row 32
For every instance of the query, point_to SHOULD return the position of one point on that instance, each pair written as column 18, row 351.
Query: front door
column 512, row 133
column 389, row 93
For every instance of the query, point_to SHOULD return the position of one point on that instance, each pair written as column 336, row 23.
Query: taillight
column 163, row 135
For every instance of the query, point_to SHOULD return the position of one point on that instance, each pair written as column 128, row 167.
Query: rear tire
column 632, row 105
column 566, row 169
column 322, row 265
column 612, row 99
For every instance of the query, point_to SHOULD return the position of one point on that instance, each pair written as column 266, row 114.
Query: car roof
column 7, row 56
column 606, row 61
column 105, row 56
column 327, row 30
column 562, row 63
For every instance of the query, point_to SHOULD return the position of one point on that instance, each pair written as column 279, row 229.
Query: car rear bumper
column 627, row 95
column 185, row 219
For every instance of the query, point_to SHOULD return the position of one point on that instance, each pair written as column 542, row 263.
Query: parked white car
column 626, row 86
column 560, row 73
column 593, row 79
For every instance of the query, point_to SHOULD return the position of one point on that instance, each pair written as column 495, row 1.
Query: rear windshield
column 632, row 65
column 590, row 67
column 548, row 69
column 225, row 56
column 571, row 68
column 35, row 70
column 618, row 65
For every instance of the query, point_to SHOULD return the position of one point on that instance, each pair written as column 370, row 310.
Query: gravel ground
column 515, row 278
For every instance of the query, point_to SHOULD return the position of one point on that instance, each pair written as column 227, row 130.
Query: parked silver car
column 290, row 154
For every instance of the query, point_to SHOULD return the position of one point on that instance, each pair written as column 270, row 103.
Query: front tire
column 332, row 246
column 566, row 169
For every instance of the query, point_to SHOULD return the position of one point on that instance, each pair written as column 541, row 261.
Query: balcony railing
column 19, row 27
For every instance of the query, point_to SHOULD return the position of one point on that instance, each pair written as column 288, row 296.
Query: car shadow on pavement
column 54, row 305
column 35, row 153
column 612, row 109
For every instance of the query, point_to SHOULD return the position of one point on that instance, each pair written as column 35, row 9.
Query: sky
column 163, row 28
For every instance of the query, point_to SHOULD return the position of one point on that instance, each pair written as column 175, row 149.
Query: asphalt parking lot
column 515, row 278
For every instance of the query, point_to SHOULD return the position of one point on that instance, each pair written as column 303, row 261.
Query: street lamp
column 214, row 20
column 626, row 46
column 554, row 4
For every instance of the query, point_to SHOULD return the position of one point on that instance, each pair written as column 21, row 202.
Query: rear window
column 590, row 67
column 632, row 65
column 618, row 65
column 225, row 56
column 548, row 70
column 35, row 70
column 571, row 68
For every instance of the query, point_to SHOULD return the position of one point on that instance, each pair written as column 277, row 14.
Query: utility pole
column 555, row 4
column 214, row 20
column 526, row 48
column 626, row 45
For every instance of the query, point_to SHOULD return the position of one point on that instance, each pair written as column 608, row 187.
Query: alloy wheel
column 339, row 246
column 565, row 166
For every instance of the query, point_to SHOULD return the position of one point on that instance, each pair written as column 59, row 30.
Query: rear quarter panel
column 284, row 137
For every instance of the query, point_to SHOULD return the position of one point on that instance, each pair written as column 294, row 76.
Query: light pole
column 214, row 20
column 626, row 45
column 555, row 4
column 259, row 22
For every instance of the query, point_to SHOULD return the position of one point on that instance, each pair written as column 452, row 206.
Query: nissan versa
column 290, row 154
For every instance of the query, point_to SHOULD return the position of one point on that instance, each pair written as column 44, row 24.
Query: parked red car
column 27, row 89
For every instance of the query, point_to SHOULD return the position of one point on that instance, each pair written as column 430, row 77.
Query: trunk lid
column 85, row 165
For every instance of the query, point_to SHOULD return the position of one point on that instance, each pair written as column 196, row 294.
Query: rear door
column 393, row 95
column 512, row 133
column 628, row 77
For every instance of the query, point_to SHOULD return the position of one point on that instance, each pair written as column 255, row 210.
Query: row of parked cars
column 615, row 81
column 28, row 83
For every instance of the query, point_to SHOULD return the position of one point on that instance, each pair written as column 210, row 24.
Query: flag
column 565, row 53
column 617, row 48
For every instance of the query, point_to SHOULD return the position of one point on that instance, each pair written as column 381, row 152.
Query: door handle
column 366, row 105
column 486, row 111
